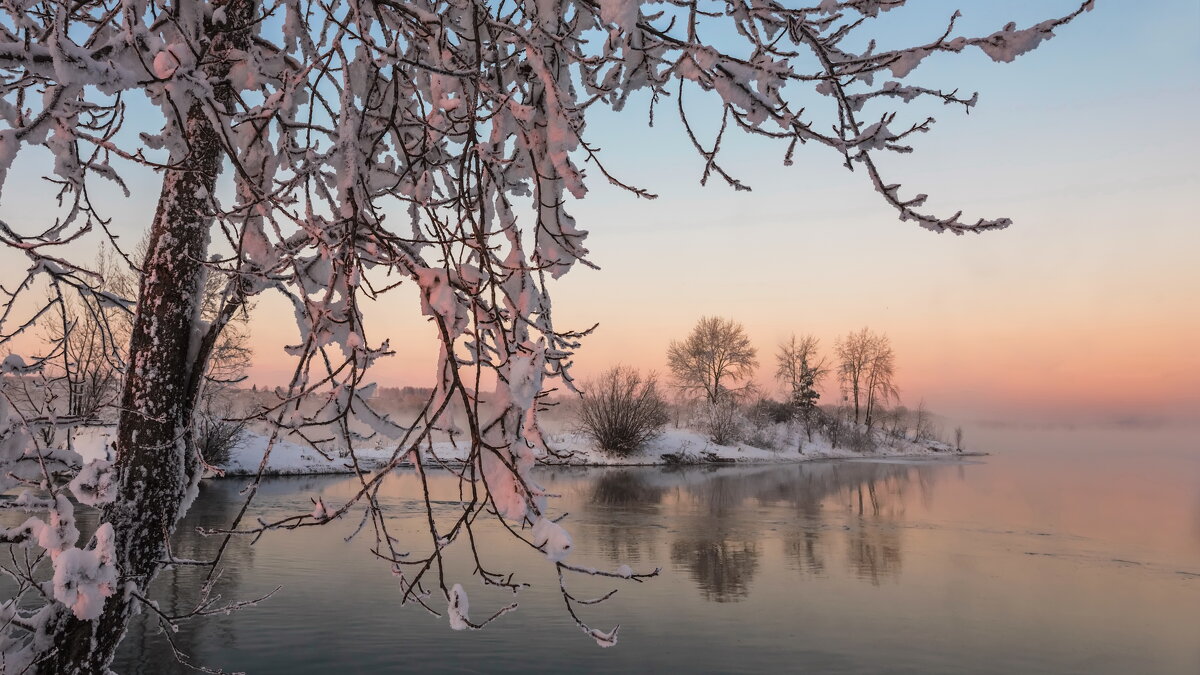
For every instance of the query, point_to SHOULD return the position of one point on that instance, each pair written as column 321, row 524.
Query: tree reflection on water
column 625, row 488
column 846, row 515
column 626, row 504
column 719, row 529
column 785, row 558
column 176, row 589
column 720, row 567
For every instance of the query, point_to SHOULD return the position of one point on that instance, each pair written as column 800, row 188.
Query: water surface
column 1065, row 552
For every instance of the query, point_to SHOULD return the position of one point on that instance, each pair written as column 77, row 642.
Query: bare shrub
column 622, row 410
column 770, row 437
column 766, row 411
column 860, row 439
column 723, row 422
column 923, row 429
column 898, row 429
column 216, row 432
column 767, row 420
column 830, row 424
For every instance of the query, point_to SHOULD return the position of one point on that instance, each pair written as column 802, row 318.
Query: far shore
column 345, row 471
column 674, row 447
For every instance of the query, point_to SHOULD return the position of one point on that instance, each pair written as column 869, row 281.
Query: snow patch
column 458, row 608
column 83, row 578
column 551, row 538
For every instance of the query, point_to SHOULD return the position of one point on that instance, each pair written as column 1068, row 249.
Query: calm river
column 1063, row 552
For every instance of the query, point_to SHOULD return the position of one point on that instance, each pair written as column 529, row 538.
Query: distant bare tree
column 922, row 425
column 82, row 366
column 899, row 418
column 854, row 355
column 74, row 378
column 881, row 370
column 866, row 367
column 333, row 151
column 713, row 359
column 958, row 436
column 801, row 368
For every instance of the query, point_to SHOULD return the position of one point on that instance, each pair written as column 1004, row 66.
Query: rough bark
column 154, row 464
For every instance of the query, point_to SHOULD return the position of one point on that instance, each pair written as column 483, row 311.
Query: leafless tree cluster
column 715, row 364
column 718, row 351
column 801, row 369
column 723, row 421
column 866, row 370
column 922, row 424
column 901, row 423
column 865, row 364
column 368, row 145
column 74, row 377
column 714, row 358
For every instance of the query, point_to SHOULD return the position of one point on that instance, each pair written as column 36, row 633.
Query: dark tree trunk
column 155, row 407
column 154, row 462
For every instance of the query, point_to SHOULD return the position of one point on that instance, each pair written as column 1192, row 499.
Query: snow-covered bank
column 291, row 459
column 674, row 446
column 287, row 458
column 685, row 446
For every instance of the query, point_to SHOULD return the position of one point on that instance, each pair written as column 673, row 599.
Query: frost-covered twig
column 374, row 146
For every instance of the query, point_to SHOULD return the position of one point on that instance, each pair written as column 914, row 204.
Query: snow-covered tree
column 361, row 146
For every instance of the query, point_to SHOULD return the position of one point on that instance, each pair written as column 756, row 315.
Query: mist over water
column 1064, row 551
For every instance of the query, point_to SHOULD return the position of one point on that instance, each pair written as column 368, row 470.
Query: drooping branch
column 375, row 145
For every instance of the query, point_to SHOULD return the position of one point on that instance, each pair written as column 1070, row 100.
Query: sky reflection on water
column 971, row 566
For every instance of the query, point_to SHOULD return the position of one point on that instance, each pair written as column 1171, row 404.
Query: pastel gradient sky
column 1087, row 308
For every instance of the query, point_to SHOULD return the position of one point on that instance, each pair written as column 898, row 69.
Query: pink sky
column 1086, row 307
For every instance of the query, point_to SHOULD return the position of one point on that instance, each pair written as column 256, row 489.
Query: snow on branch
column 431, row 145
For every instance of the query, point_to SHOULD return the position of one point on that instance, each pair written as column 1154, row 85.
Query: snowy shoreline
column 857, row 457
column 675, row 447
